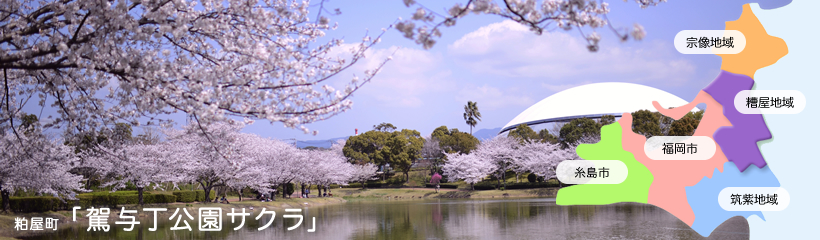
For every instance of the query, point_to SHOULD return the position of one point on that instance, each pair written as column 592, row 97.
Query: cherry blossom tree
column 144, row 165
column 500, row 151
column 362, row 172
column 540, row 16
column 272, row 163
column 319, row 167
column 100, row 62
column 268, row 164
column 542, row 159
column 211, row 155
column 431, row 150
column 469, row 167
column 333, row 167
column 344, row 171
column 303, row 170
column 31, row 162
column 284, row 167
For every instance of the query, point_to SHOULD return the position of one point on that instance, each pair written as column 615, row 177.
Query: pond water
column 538, row 218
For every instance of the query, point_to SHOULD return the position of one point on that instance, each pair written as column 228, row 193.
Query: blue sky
column 506, row 68
column 503, row 66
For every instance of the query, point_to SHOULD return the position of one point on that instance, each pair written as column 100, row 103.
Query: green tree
column 121, row 133
column 29, row 122
column 578, row 128
column 546, row 136
column 606, row 120
column 398, row 148
column 364, row 148
column 684, row 127
column 384, row 127
column 402, row 149
column 687, row 125
column 471, row 115
column 452, row 140
column 524, row 134
column 646, row 123
column 288, row 189
column 441, row 132
column 699, row 114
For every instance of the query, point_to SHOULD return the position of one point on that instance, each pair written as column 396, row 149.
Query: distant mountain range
column 485, row 133
column 319, row 143
column 482, row 134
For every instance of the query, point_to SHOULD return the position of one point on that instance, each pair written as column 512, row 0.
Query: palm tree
column 471, row 115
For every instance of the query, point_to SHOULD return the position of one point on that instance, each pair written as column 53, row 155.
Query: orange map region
column 668, row 190
column 761, row 48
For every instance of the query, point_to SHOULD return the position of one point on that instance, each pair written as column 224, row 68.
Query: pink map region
column 668, row 190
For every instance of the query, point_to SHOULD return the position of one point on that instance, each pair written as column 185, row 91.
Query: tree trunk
column 207, row 195
column 406, row 177
column 504, row 176
column 217, row 193
column 472, row 186
column 5, row 196
column 139, row 194
column 207, row 189
column 240, row 195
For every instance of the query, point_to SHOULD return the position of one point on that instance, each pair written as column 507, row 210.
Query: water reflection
column 438, row 219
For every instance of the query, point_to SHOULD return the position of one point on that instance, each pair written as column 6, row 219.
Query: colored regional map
column 689, row 189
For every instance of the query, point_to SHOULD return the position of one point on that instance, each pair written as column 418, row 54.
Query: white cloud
column 404, row 80
column 508, row 49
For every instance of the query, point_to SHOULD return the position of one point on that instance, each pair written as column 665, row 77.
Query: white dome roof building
column 593, row 101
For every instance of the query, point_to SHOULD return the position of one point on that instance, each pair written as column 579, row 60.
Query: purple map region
column 739, row 141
